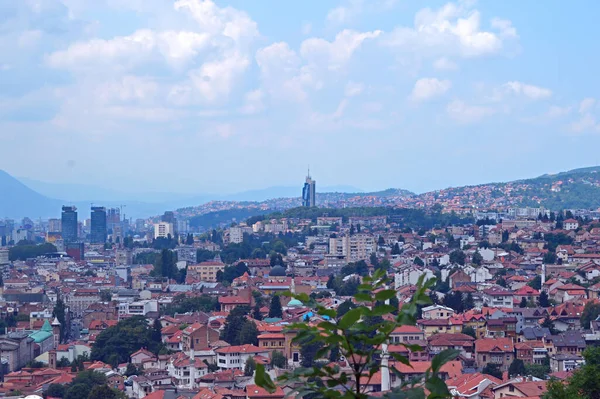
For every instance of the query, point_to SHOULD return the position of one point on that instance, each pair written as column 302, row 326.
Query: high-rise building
column 98, row 230
column 54, row 225
column 163, row 229
column 309, row 192
column 69, row 224
column 113, row 218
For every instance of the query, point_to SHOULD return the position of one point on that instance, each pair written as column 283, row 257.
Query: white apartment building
column 354, row 248
column 138, row 308
column 235, row 357
column 163, row 229
column 80, row 299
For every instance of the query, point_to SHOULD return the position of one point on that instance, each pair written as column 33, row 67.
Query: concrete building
column 309, row 198
column 69, row 225
column 163, row 229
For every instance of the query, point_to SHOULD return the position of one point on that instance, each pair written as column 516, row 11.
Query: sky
column 194, row 96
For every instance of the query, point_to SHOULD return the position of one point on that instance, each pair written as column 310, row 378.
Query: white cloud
column 335, row 54
column 556, row 111
column 353, row 89
column 530, row 91
column 465, row 113
column 585, row 124
column 428, row 88
column 586, row 105
column 454, row 29
column 350, row 10
column 306, row 28
column 253, row 102
column 505, row 27
column 445, row 64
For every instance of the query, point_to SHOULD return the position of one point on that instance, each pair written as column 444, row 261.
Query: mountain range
column 578, row 188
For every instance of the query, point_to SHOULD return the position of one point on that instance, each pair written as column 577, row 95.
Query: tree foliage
column 275, row 310
column 184, row 304
column 517, row 368
column 492, row 369
column 359, row 336
column 584, row 383
column 116, row 344
column 278, row 359
column 590, row 312
column 29, row 250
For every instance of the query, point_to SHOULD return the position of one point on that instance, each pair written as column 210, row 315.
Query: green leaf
column 263, row 380
column 327, row 312
column 350, row 318
column 385, row 295
column 442, row 358
column 437, row 387
column 401, row 359
column 363, row 297
column 380, row 310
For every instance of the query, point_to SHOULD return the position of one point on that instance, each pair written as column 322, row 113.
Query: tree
column 493, row 370
column 584, row 383
column 457, row 256
column 345, row 307
column 256, row 313
column 117, row 343
column 278, row 360
column 468, row 330
column 59, row 313
column 189, row 239
column 543, row 300
column 501, row 282
column 468, row 302
column 418, row 261
column 590, row 312
column 549, row 258
column 454, row 300
column 249, row 367
column 396, row 249
column 358, row 336
column 77, row 391
column 165, row 264
column 517, row 368
column 536, row 283
column 248, row 334
column 380, row 241
column 104, row 392
column 105, row 295
column 523, row 303
column 373, row 260
column 549, row 324
column 275, row 310
column 56, row 391
column 477, row 258
column 331, row 282
column 537, row 370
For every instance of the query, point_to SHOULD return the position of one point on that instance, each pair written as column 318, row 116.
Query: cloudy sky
column 202, row 96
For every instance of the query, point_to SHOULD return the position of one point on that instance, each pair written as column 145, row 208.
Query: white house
column 410, row 276
column 235, row 357
column 496, row 297
column 186, row 370
column 570, row 224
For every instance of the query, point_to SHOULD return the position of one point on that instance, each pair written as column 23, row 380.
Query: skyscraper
column 98, row 229
column 69, row 224
column 309, row 192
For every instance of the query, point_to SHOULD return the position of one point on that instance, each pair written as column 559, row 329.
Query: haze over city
column 201, row 97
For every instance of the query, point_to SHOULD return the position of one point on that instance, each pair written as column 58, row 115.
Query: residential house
column 436, row 326
column 520, row 388
column 235, row 357
column 436, row 312
column 471, row 386
column 198, row 337
column 497, row 297
column 272, row 342
column 499, row 351
column 461, row 342
column 569, row 292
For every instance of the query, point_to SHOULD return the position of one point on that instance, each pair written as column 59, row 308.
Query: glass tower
column 69, row 223
column 98, row 230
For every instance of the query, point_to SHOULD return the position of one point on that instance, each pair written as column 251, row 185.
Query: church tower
column 56, row 332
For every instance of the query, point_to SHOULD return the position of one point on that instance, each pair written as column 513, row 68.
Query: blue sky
column 220, row 97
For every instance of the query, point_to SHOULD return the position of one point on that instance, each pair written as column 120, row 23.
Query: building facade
column 98, row 231
column 69, row 225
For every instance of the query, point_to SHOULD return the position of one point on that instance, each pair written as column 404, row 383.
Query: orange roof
column 254, row 391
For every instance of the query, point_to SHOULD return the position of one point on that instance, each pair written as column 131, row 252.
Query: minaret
column 192, row 369
column 385, row 364
column 56, row 332
column 543, row 275
column 385, row 369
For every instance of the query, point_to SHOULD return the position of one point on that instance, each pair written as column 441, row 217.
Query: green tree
column 590, row 312
column 275, row 310
column 537, row 370
column 418, row 261
column 536, row 283
column 477, row 258
column 584, row 383
column 189, row 239
column 359, row 336
column 549, row 324
column 249, row 367
column 59, row 313
column 468, row 302
column 396, row 249
column 457, row 256
column 517, row 368
column 504, row 236
column 248, row 333
column 120, row 341
column 345, row 307
column 56, row 391
column 501, row 282
column 105, row 295
column 468, row 330
column 523, row 303
column 104, row 392
column 256, row 313
column 278, row 360
column 77, row 391
column 492, row 369
column 203, row 255
column 543, row 300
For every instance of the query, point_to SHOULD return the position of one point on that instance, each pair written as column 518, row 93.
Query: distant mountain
column 18, row 200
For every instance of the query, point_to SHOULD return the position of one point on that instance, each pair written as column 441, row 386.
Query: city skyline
column 372, row 88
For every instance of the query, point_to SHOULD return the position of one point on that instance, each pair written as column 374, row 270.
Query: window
column 295, row 357
column 511, row 388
